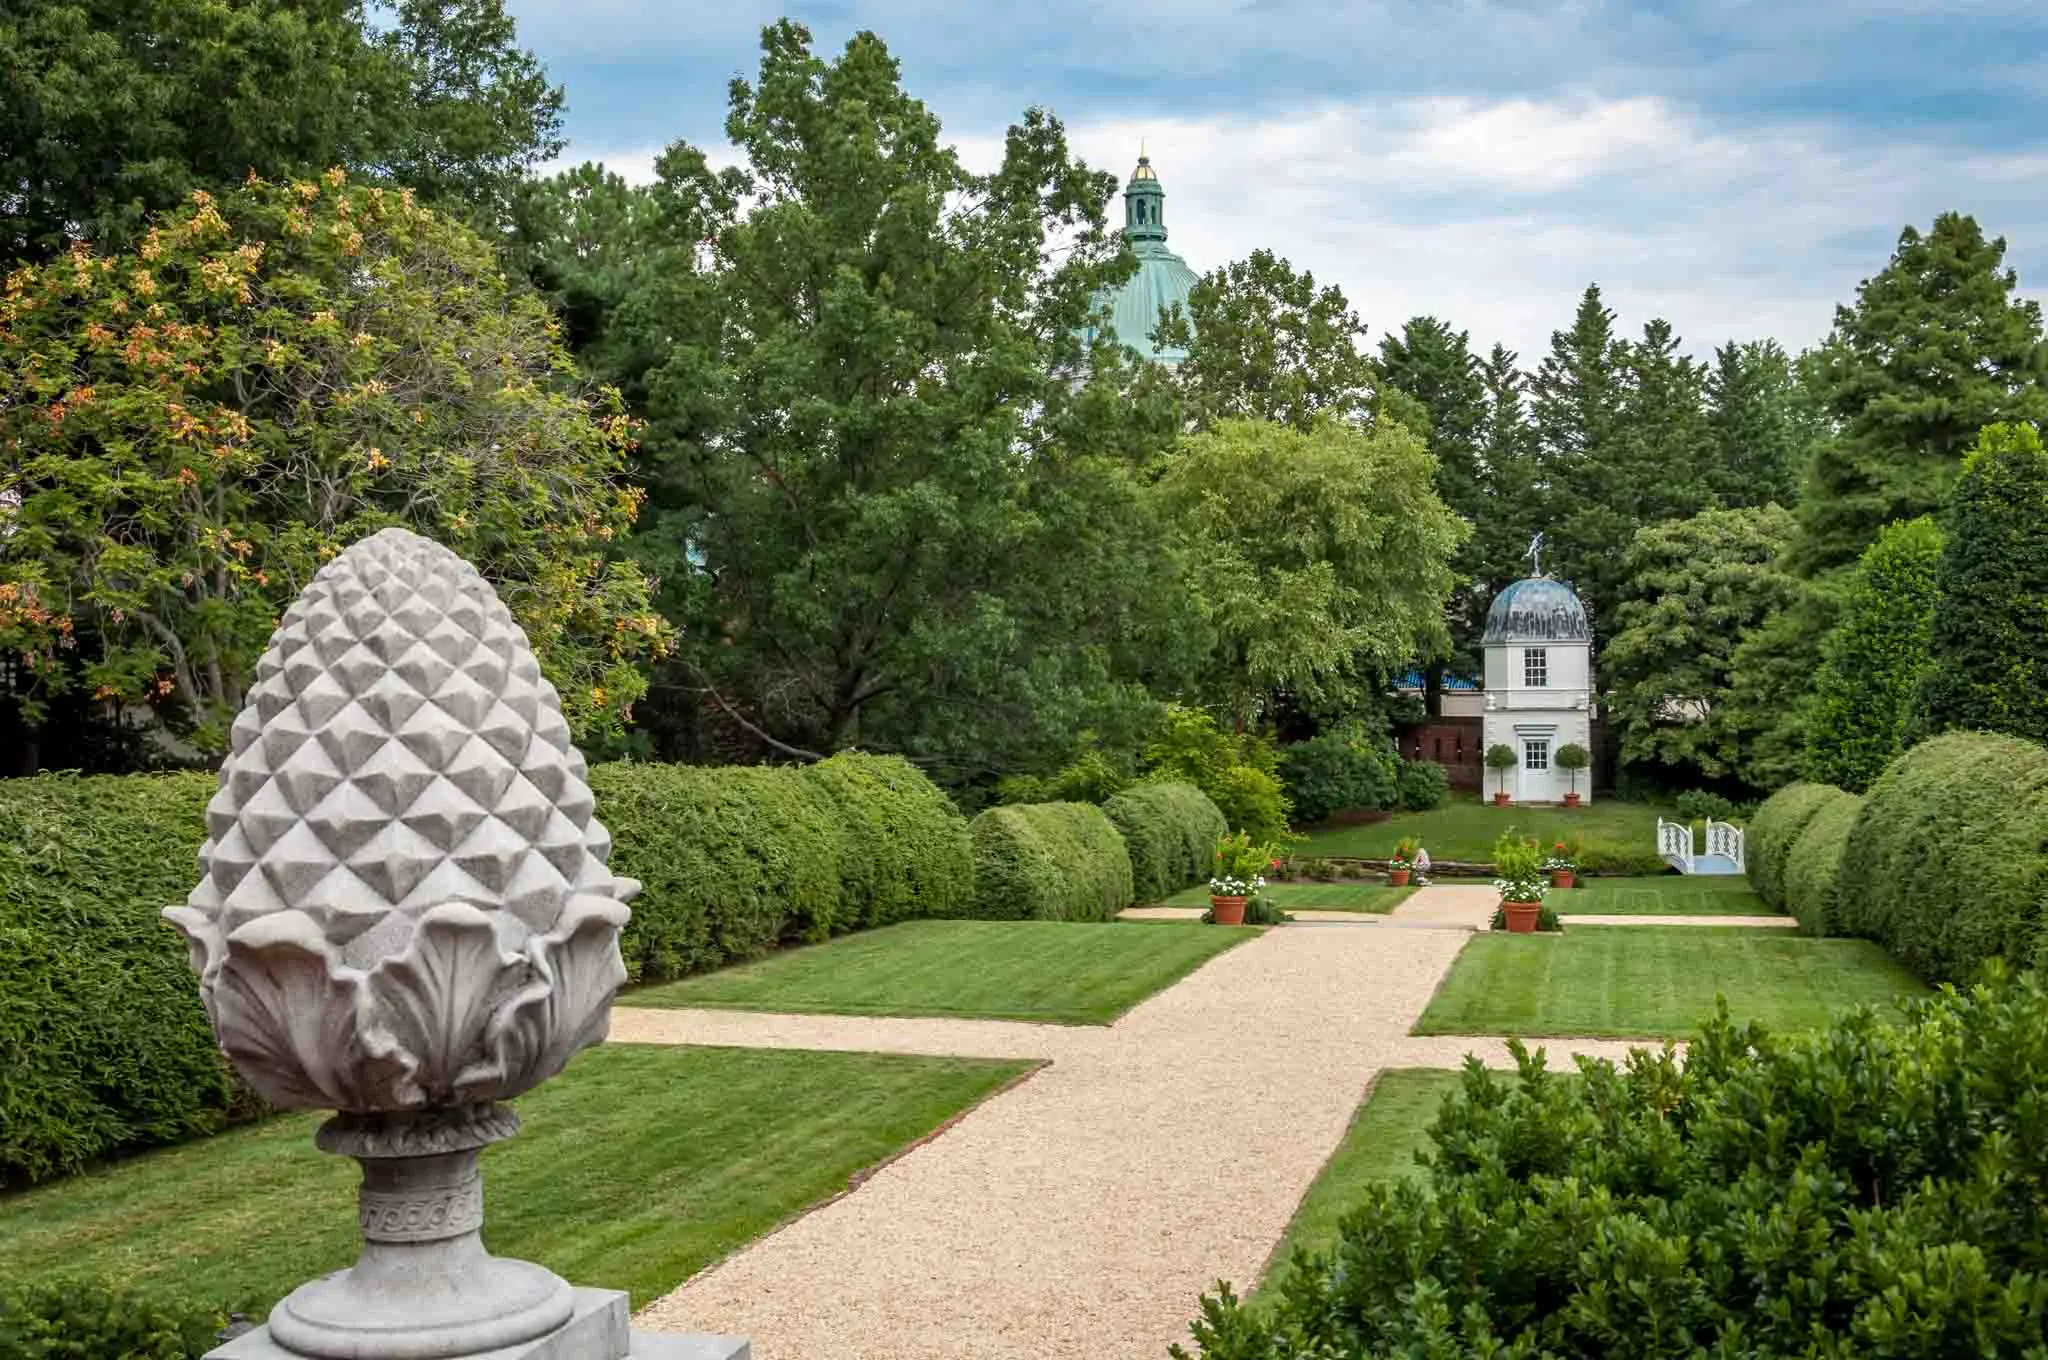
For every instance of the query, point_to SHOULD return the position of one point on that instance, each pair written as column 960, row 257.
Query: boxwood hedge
column 93, row 1319
column 1947, row 863
column 1169, row 830
column 1049, row 862
column 103, row 1043
column 1812, row 866
column 1772, row 832
column 104, row 1046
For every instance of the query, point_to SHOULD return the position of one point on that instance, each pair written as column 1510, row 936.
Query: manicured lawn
column 1391, row 1126
column 1670, row 895
column 1465, row 829
column 637, row 1167
column 1061, row 972
column 1656, row 981
column 1356, row 896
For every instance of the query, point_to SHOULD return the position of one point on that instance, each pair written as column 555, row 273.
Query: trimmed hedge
column 1422, row 786
column 1947, row 864
column 1773, row 831
column 1812, row 867
column 1168, row 830
column 739, row 859
column 1049, row 862
column 104, row 1046
column 99, row 1320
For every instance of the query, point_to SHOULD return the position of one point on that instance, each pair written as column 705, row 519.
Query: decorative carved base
column 424, row 1287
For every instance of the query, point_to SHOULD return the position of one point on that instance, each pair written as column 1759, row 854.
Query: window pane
column 1535, row 667
column 1535, row 754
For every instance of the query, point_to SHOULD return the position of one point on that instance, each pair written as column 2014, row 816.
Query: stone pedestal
column 598, row 1329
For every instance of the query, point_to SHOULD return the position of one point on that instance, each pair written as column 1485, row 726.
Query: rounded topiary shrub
column 1812, row 864
column 1169, row 828
column 1773, row 831
column 733, row 861
column 1947, row 863
column 1049, row 862
column 1423, row 785
column 907, row 851
column 1336, row 771
column 104, row 1046
column 1860, row 1191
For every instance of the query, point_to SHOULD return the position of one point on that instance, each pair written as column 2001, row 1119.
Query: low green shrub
column 104, row 1046
column 1239, row 772
column 1048, row 862
column 1815, row 860
column 1422, row 786
column 1168, row 828
column 1338, row 770
column 1947, row 863
column 1621, row 861
column 907, row 850
column 1868, row 1190
column 95, row 1320
column 1701, row 805
column 1772, row 832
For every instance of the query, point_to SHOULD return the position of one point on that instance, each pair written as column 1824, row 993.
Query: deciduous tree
column 1872, row 662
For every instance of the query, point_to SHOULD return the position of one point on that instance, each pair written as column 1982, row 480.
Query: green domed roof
column 1163, row 278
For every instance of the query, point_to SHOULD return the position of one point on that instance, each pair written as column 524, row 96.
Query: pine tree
column 1758, row 425
column 1872, row 662
column 1575, row 405
column 1658, row 468
column 1988, row 651
column 1936, row 348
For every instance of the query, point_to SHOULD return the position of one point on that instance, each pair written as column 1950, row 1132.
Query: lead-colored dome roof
column 1536, row 609
column 1163, row 279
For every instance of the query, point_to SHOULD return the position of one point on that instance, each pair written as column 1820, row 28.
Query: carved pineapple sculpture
column 405, row 904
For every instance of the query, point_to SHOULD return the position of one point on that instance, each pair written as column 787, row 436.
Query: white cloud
column 1494, row 215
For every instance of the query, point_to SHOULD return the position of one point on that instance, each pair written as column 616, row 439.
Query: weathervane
column 1535, row 555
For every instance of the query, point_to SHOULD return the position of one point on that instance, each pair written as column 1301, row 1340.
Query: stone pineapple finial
column 405, row 917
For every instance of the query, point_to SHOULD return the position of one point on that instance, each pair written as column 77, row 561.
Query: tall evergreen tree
column 1988, row 652
column 1758, row 425
column 1660, row 463
column 1576, row 409
column 1935, row 348
column 1871, row 664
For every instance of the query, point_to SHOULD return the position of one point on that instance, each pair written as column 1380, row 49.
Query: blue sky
column 1735, row 167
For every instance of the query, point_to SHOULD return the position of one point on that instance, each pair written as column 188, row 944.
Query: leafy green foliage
column 737, row 860
column 1094, row 776
column 1168, row 829
column 200, row 423
column 1773, row 831
column 1761, row 425
column 1238, row 773
column 1048, row 862
column 1346, row 767
column 103, row 1044
column 1935, row 348
column 1572, row 758
column 1699, row 805
column 1694, row 587
column 894, row 500
column 1987, row 665
column 113, row 110
column 1864, row 1190
column 1765, row 709
column 1321, row 557
column 1813, row 864
column 1873, row 660
column 1422, row 786
column 1947, row 866
column 92, row 1319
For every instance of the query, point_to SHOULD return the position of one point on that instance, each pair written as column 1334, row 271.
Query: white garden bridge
column 1723, row 854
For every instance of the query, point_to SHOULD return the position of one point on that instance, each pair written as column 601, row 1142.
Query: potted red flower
column 1519, row 865
column 1402, row 865
column 1561, row 866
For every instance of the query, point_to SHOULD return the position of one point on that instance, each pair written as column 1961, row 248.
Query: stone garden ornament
column 405, row 916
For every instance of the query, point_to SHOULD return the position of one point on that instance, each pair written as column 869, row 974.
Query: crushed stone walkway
column 1082, row 1212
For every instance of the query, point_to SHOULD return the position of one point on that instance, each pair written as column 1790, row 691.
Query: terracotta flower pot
column 1561, row 878
column 1397, row 878
column 1229, row 910
column 1501, row 799
column 1571, row 800
column 1522, row 916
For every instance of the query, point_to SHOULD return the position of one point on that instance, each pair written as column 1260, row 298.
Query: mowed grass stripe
column 1362, row 897
column 637, row 1167
column 1057, row 972
column 1628, row 982
column 1670, row 895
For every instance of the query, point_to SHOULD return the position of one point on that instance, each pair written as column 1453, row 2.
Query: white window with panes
column 1536, row 667
column 1535, row 753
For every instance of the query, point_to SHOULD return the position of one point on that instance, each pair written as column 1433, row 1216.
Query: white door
column 1538, row 781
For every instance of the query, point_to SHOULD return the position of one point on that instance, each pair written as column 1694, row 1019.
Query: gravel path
column 1083, row 1212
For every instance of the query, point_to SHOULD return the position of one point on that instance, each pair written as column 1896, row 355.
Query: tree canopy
column 1872, row 662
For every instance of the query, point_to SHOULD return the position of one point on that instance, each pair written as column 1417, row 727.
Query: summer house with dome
column 1163, row 278
column 1539, row 686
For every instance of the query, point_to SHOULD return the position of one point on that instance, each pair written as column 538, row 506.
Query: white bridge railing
column 1724, row 839
column 1674, row 842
